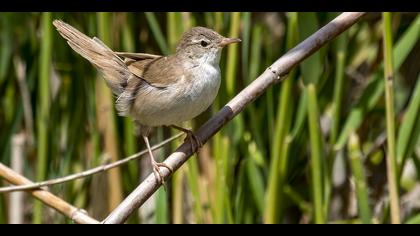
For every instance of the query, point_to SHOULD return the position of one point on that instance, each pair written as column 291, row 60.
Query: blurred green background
column 312, row 149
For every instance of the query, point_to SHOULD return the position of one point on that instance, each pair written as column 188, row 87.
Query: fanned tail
column 112, row 67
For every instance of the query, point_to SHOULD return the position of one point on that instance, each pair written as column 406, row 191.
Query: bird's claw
column 196, row 143
column 157, row 173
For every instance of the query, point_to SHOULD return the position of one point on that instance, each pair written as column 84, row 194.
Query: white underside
column 180, row 101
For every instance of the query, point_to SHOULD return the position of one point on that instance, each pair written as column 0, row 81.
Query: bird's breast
column 201, row 86
column 192, row 93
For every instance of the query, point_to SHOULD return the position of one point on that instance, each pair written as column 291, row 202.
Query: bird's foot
column 156, row 170
column 195, row 142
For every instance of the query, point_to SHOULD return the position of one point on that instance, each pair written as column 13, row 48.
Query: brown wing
column 138, row 67
column 137, row 63
column 157, row 71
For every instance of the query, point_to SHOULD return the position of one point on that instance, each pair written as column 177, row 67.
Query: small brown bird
column 158, row 90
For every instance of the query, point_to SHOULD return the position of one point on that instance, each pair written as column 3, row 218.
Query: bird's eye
column 204, row 43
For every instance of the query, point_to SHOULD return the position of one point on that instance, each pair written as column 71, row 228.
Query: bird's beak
column 226, row 41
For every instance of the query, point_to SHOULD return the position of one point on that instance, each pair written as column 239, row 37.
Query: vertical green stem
column 172, row 32
column 193, row 182
column 409, row 131
column 390, row 119
column 279, row 147
column 157, row 32
column 218, row 21
column 316, row 154
column 232, row 54
column 43, row 107
column 178, row 197
column 338, row 86
column 219, row 153
column 356, row 164
column 223, row 145
column 161, row 211
column 245, row 48
column 341, row 49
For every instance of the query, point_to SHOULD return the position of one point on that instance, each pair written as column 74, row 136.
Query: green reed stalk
column 409, row 132
column 193, row 182
column 356, row 165
column 274, row 210
column 390, row 119
column 157, row 32
column 232, row 55
column 43, row 107
column 316, row 154
column 341, row 52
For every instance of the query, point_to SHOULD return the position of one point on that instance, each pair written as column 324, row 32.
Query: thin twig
column 275, row 73
column 77, row 215
column 86, row 172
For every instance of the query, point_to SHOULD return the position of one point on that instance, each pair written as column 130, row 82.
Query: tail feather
column 94, row 50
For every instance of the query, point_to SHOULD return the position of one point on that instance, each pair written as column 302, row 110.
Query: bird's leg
column 196, row 143
column 156, row 164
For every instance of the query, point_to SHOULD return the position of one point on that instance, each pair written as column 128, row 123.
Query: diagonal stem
column 77, row 215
